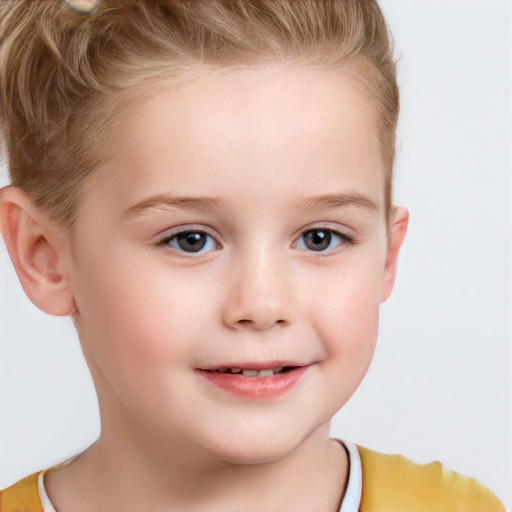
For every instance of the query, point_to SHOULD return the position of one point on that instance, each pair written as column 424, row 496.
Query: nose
column 260, row 296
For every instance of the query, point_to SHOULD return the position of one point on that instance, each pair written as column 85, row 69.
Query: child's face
column 238, row 224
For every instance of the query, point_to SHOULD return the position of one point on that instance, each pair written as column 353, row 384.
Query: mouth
column 254, row 381
column 263, row 373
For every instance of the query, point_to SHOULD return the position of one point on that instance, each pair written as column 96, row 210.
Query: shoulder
column 395, row 483
column 22, row 496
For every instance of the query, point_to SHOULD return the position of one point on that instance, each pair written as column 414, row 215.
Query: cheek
column 351, row 328
column 134, row 317
column 136, row 337
column 348, row 320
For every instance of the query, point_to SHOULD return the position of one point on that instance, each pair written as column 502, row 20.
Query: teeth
column 252, row 373
column 262, row 373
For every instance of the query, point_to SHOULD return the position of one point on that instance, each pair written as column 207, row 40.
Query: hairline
column 121, row 103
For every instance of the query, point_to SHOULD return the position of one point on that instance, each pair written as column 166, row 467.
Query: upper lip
column 257, row 366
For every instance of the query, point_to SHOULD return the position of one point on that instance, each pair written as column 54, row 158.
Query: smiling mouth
column 254, row 381
column 269, row 372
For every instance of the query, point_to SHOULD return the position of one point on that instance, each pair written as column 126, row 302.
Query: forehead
column 276, row 126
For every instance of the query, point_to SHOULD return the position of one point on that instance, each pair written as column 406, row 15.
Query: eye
column 191, row 242
column 321, row 240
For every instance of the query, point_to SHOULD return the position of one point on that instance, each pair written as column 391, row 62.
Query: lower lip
column 254, row 387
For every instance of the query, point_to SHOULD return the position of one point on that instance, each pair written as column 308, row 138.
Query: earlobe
column 397, row 232
column 36, row 246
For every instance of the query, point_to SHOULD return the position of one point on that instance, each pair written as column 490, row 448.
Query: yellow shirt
column 391, row 483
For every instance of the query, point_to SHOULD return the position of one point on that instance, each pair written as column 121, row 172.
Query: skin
column 260, row 144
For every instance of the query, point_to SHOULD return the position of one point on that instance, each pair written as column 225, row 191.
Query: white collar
column 352, row 499
column 47, row 504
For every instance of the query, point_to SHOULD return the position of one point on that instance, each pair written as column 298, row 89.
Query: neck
column 126, row 471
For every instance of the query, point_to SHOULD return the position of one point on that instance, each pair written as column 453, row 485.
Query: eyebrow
column 309, row 204
column 168, row 201
column 165, row 202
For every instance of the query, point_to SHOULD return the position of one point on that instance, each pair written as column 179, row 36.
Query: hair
column 65, row 78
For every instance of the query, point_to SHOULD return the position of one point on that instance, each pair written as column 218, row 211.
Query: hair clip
column 82, row 7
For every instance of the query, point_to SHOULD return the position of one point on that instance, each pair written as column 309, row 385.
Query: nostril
column 260, row 324
column 258, row 311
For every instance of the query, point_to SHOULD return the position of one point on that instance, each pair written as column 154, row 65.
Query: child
column 205, row 187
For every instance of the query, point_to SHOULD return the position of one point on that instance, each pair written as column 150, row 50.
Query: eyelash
column 344, row 239
column 165, row 242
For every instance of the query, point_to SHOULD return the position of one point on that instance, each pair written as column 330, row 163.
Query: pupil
column 191, row 242
column 317, row 240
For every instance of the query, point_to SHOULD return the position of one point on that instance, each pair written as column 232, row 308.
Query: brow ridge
column 168, row 201
column 304, row 205
column 334, row 201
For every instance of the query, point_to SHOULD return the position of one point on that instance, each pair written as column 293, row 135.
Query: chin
column 255, row 447
column 254, row 455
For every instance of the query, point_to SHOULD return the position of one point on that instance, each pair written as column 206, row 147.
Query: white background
column 440, row 386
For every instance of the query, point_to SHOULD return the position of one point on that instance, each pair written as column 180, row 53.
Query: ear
column 36, row 245
column 397, row 231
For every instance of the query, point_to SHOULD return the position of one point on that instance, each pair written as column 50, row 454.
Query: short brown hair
column 63, row 77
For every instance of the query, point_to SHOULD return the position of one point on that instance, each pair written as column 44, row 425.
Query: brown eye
column 321, row 240
column 191, row 242
column 317, row 239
